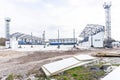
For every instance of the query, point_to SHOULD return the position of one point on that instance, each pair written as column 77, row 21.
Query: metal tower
column 7, row 29
column 108, row 24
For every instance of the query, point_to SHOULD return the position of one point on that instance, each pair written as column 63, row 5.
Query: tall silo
column 7, row 32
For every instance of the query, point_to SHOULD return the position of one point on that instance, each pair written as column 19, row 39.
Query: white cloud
column 28, row 1
column 75, row 2
column 37, row 15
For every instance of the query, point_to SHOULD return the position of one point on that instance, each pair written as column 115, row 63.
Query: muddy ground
column 25, row 63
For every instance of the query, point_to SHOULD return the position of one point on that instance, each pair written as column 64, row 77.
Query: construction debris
column 106, row 55
column 65, row 64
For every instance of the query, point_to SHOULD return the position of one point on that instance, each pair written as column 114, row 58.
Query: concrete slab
column 114, row 75
column 65, row 64
column 84, row 57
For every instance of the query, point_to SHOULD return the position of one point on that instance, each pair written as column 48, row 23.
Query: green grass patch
column 10, row 77
column 115, row 64
column 80, row 73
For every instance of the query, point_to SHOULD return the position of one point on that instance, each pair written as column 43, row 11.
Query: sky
column 50, row 15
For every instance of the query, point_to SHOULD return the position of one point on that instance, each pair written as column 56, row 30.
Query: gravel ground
column 27, row 62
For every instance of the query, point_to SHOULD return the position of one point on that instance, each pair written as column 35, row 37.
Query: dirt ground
column 27, row 62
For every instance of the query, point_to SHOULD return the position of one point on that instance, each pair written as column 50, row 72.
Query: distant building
column 92, row 36
column 17, row 39
column 116, row 44
column 63, row 41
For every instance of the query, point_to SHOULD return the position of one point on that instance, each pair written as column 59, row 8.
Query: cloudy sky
column 50, row 15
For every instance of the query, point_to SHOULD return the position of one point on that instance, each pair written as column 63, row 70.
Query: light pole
column 31, row 41
column 91, row 38
column 44, row 38
column 58, row 40
column 74, row 38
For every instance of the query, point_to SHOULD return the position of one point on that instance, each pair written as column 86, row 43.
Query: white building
column 18, row 40
column 116, row 44
column 93, row 36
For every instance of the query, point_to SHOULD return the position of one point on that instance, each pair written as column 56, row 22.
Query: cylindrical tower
column 107, row 24
column 7, row 32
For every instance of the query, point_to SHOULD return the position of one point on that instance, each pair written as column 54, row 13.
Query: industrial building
column 116, row 44
column 19, row 39
column 24, row 39
column 95, row 35
column 92, row 36
column 63, row 41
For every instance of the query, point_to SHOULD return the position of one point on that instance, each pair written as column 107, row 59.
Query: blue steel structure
column 24, row 39
column 63, row 41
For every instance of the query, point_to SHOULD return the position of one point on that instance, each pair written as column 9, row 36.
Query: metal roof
column 92, row 29
column 19, row 35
